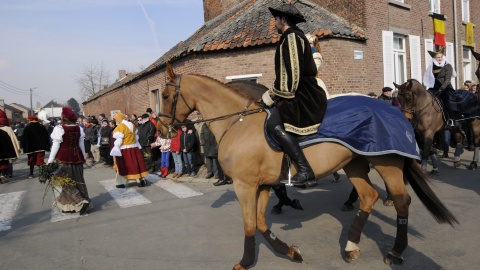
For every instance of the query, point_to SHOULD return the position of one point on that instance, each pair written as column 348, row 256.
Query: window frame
column 465, row 11
column 400, row 73
column 432, row 6
column 467, row 72
column 245, row 77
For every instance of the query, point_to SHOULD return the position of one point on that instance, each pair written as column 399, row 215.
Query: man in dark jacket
column 299, row 102
column 187, row 147
column 35, row 142
column 146, row 136
column 210, row 151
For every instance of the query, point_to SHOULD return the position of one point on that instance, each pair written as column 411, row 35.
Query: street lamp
column 31, row 106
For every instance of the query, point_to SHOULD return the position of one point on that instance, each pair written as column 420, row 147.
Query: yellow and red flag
column 439, row 29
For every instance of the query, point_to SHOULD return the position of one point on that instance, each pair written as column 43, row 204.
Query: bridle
column 174, row 106
column 178, row 92
column 412, row 113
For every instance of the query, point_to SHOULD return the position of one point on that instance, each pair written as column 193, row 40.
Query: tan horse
column 426, row 116
column 246, row 157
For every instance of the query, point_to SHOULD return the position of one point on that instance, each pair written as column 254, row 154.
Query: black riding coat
column 207, row 139
column 300, row 101
column 35, row 138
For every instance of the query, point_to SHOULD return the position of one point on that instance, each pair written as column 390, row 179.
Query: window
column 465, row 10
column 399, row 59
column 435, row 6
column 467, row 64
column 156, row 99
column 247, row 77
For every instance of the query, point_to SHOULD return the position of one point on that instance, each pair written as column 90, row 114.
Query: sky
column 46, row 44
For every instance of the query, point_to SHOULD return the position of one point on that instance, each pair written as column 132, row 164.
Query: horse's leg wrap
column 435, row 162
column 401, row 241
column 276, row 243
column 248, row 252
column 357, row 226
column 458, row 151
column 475, row 154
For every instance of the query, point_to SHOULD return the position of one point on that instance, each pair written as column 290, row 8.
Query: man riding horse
column 298, row 103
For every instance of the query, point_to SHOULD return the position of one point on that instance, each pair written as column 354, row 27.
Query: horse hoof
column 294, row 253
column 347, row 207
column 388, row 203
column 434, row 173
column 392, row 259
column 473, row 166
column 457, row 164
column 352, row 255
column 238, row 267
column 296, row 204
column 276, row 211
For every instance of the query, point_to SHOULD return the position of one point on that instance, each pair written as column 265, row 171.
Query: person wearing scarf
column 437, row 79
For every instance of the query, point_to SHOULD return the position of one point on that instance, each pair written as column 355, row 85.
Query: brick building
column 366, row 44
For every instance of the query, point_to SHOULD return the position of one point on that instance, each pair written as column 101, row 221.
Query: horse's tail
column 421, row 185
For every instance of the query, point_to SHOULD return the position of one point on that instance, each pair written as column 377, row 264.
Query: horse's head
column 175, row 106
column 406, row 94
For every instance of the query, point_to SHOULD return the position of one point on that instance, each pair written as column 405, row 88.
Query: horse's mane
column 246, row 89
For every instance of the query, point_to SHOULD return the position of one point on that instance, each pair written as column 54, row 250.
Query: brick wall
column 353, row 11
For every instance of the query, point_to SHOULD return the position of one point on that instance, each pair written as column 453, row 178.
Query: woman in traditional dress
column 69, row 150
column 35, row 142
column 437, row 79
column 10, row 147
column 129, row 162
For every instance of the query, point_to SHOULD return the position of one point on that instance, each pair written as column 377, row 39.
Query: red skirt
column 4, row 164
column 131, row 164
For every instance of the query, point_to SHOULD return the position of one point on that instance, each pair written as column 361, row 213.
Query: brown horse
column 246, row 157
column 425, row 113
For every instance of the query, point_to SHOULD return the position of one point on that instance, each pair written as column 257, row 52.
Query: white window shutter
column 388, row 69
column 415, row 58
column 428, row 47
column 451, row 59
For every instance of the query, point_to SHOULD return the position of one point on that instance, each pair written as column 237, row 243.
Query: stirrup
column 450, row 122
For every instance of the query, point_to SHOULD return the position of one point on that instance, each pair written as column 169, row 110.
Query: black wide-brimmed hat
column 433, row 54
column 288, row 11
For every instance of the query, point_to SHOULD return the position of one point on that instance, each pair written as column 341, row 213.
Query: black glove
column 262, row 104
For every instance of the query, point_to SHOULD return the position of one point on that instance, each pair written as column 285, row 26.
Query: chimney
column 214, row 8
column 122, row 73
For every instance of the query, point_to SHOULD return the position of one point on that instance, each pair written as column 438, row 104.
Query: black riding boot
column 291, row 147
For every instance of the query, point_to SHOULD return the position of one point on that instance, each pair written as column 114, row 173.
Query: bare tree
column 92, row 79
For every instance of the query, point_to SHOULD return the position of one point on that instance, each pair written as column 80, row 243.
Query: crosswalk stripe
column 177, row 189
column 8, row 207
column 57, row 214
column 125, row 197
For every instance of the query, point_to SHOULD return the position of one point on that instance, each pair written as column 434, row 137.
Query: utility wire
column 13, row 88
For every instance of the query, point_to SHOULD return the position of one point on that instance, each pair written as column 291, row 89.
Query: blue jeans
column 446, row 141
column 177, row 158
column 188, row 159
column 165, row 163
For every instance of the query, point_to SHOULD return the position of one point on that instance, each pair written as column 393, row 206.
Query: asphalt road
column 203, row 229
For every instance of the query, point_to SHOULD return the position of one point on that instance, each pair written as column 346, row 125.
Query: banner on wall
column 439, row 30
column 469, row 34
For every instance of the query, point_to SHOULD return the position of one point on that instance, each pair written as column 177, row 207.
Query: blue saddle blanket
column 366, row 126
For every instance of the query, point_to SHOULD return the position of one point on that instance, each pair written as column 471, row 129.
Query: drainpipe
column 455, row 40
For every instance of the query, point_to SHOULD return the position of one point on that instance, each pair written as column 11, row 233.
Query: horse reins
column 414, row 113
column 178, row 92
